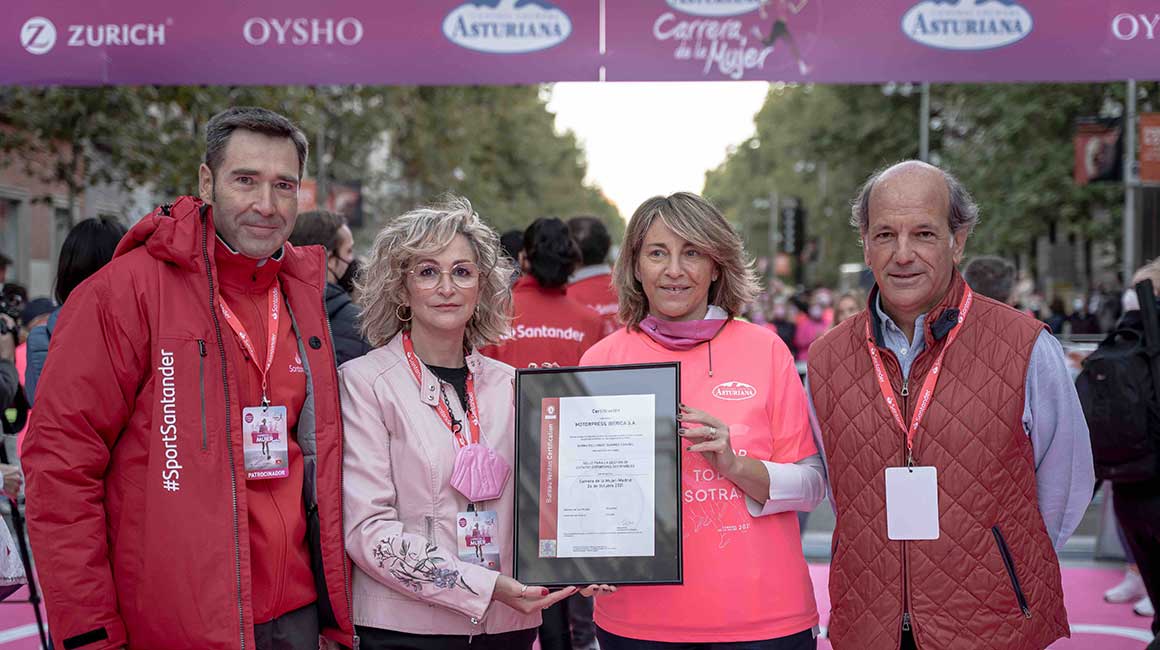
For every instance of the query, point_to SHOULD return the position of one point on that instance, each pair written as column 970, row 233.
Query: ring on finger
column 524, row 591
column 712, row 433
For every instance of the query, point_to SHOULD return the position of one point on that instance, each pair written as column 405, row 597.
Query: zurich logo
column 967, row 24
column 716, row 7
column 507, row 26
column 38, row 35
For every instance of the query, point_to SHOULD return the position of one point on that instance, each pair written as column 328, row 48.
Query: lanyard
column 927, row 385
column 441, row 408
column 274, row 302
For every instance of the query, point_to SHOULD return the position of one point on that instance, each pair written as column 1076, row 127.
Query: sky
column 644, row 139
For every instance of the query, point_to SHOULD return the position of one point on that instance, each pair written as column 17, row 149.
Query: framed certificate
column 598, row 471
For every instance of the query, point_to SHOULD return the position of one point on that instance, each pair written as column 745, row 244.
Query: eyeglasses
column 464, row 275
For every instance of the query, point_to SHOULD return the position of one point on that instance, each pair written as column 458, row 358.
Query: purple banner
column 848, row 41
column 260, row 42
column 401, row 42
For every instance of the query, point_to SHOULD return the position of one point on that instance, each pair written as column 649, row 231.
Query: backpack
column 1119, row 388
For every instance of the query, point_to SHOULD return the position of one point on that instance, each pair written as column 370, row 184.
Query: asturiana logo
column 967, row 24
column 715, row 7
column 507, row 26
column 734, row 391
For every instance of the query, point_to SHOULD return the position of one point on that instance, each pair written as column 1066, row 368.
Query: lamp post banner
column 442, row 42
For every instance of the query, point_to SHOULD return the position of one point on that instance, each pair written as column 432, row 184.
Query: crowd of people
column 942, row 423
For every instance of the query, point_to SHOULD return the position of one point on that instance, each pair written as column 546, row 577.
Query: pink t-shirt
column 745, row 576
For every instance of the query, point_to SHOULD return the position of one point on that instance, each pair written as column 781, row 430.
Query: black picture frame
column 665, row 566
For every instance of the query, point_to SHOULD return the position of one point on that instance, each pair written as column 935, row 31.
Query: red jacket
column 593, row 289
column 137, row 506
column 549, row 329
column 991, row 580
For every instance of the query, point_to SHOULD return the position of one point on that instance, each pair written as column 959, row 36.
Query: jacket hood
column 174, row 233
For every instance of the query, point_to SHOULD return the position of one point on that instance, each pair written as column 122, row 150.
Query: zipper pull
column 1026, row 612
column 201, row 347
column 906, row 388
column 905, row 621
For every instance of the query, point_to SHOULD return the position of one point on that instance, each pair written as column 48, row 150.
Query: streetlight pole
column 1130, row 184
column 924, row 123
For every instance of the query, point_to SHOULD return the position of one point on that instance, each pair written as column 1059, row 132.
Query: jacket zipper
column 217, row 326
column 201, row 382
column 346, row 587
column 1009, row 564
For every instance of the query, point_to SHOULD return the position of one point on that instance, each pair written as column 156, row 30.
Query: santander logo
column 734, row 391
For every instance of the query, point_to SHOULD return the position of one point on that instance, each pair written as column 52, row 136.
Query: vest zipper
column 1009, row 564
column 201, row 382
column 217, row 326
column 907, row 623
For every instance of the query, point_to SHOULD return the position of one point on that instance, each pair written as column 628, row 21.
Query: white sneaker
column 1144, row 607
column 1130, row 589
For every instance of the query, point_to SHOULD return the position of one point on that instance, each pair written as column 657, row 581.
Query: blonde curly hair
column 425, row 231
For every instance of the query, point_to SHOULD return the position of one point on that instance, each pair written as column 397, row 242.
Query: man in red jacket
column 591, row 284
column 155, row 520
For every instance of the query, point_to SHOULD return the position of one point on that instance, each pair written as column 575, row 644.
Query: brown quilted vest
column 991, row 580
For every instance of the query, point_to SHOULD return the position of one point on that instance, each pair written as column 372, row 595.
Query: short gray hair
column 963, row 213
column 250, row 118
column 991, row 276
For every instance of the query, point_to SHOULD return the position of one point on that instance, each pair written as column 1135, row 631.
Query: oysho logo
column 715, row 7
column 734, row 391
column 507, row 26
column 303, row 31
column 1127, row 27
column 967, row 24
column 38, row 35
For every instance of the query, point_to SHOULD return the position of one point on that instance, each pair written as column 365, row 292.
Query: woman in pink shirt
column 749, row 460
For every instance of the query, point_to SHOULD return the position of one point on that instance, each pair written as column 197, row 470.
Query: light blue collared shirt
column 1052, row 418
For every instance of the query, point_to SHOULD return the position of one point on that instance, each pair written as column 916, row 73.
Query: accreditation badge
column 265, row 442
column 911, row 503
column 476, row 538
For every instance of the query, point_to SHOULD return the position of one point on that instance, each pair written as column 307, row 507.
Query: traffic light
column 793, row 227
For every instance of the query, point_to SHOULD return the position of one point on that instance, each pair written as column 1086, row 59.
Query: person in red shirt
column 549, row 329
column 591, row 284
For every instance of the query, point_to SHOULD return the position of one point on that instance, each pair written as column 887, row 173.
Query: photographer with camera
column 9, row 387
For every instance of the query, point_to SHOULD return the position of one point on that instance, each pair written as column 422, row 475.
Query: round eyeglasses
column 427, row 275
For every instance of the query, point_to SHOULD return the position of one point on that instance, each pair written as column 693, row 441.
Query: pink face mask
column 479, row 474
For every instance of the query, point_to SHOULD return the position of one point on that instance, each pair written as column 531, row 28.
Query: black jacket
column 9, row 383
column 343, row 313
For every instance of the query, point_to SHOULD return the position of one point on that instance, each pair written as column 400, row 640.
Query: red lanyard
column 927, row 385
column 441, row 407
column 275, row 304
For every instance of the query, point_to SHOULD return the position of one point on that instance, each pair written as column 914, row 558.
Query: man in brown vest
column 957, row 451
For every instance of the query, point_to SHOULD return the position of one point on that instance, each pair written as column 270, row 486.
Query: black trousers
column 372, row 638
column 1138, row 511
column 908, row 641
column 555, row 633
column 803, row 640
column 296, row 630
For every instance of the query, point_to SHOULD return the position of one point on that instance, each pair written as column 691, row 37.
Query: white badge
column 911, row 503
